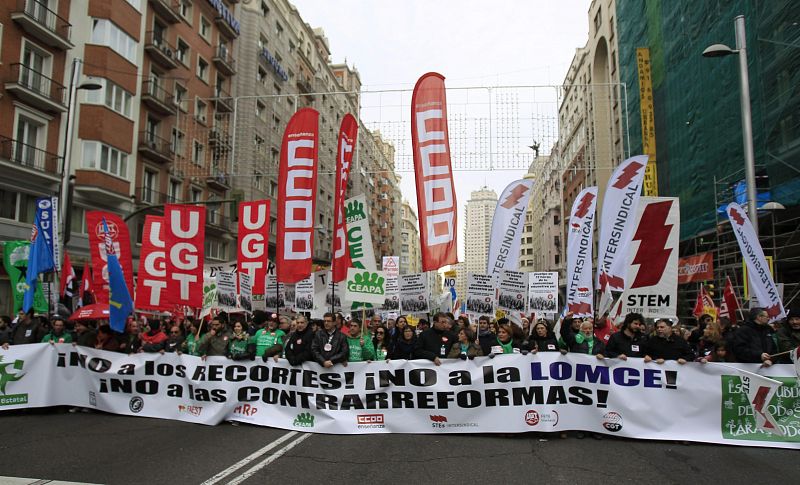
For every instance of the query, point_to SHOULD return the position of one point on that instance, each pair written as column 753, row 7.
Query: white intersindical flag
column 507, row 225
column 579, row 253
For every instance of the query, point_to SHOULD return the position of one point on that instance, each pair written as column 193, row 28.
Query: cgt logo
column 612, row 421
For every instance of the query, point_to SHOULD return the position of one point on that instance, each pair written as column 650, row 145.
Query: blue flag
column 119, row 299
column 40, row 260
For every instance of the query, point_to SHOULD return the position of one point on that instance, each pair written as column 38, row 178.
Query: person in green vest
column 58, row 335
column 268, row 341
column 191, row 344
column 239, row 344
column 381, row 342
column 361, row 348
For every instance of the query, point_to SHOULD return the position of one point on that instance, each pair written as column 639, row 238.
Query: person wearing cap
column 268, row 341
column 789, row 334
column 753, row 343
column 435, row 343
column 329, row 346
column 359, row 344
column 298, row 343
column 629, row 341
column 215, row 342
column 664, row 345
column 85, row 334
column 57, row 335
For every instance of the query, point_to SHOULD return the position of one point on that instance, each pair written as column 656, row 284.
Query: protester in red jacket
column 153, row 340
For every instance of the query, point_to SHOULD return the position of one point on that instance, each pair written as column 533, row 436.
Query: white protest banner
column 543, row 292
column 289, row 295
column 359, row 239
column 304, row 294
column 761, row 282
column 274, row 296
column 226, row 291
column 365, row 286
column 245, row 292
column 512, row 291
column 508, row 394
column 507, row 224
column 579, row 253
column 328, row 295
column 414, row 293
column 652, row 276
column 391, row 268
column 480, row 295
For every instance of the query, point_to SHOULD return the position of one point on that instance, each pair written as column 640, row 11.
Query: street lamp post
column 721, row 50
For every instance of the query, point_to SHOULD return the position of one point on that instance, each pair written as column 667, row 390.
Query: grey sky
column 472, row 43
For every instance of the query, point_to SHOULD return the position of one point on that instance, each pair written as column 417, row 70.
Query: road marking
column 249, row 473
column 35, row 481
column 249, row 459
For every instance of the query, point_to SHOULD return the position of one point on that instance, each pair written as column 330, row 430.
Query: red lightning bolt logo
column 514, row 197
column 653, row 232
column 584, row 204
column 737, row 217
column 760, row 402
column 628, row 173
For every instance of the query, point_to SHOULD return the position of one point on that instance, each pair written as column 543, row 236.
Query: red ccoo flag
column 729, row 304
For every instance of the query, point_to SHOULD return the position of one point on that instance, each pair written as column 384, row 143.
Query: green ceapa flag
column 15, row 261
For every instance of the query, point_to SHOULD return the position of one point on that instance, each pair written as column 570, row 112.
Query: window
column 216, row 249
column 273, row 188
column 30, row 140
column 205, row 28
column 197, row 195
column 149, row 186
column 264, row 9
column 1, row 41
column 185, row 9
column 36, row 68
column 259, row 143
column 198, row 153
column 17, row 206
column 598, row 19
column 182, row 52
column 259, row 181
column 78, row 216
column 177, row 142
column 181, row 99
column 112, row 96
column 276, row 122
column 135, row 4
column 262, row 77
column 99, row 156
column 261, row 111
column 201, row 111
column 556, row 220
column 174, row 191
column 105, row 32
column 262, row 43
column 278, row 29
column 202, row 69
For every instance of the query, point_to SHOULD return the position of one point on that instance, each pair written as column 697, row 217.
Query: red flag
column 704, row 304
column 729, row 304
column 436, row 195
column 344, row 157
column 67, row 277
column 152, row 283
column 121, row 243
column 184, row 235
column 86, row 284
column 253, row 241
column 297, row 196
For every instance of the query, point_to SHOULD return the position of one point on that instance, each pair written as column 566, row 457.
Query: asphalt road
column 103, row 448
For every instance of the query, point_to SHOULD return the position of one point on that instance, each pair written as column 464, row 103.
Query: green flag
column 15, row 261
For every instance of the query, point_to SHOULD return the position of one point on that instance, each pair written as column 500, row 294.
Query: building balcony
column 158, row 99
column 160, row 50
column 224, row 61
column 218, row 179
column 218, row 137
column 223, row 100
column 101, row 187
column 19, row 159
column 226, row 26
column 42, row 23
column 155, row 148
column 149, row 196
column 34, row 88
column 168, row 10
column 216, row 220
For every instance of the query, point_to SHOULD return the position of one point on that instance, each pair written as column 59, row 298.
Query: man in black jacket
column 665, row 346
column 329, row 346
column 753, row 343
column 298, row 343
column 629, row 342
column 434, row 344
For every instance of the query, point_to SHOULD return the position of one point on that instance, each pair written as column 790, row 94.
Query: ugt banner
column 185, row 237
column 253, row 241
column 120, row 238
column 436, row 195
column 579, row 253
column 152, row 281
column 652, row 274
column 509, row 219
column 344, row 159
column 297, row 196
column 511, row 393
column 620, row 203
column 761, row 281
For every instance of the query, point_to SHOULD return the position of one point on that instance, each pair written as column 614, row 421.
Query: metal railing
column 224, row 55
column 38, row 83
column 156, row 39
column 29, row 156
column 47, row 18
column 156, row 143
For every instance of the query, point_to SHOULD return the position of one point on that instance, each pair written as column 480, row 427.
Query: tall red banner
column 152, row 279
column 344, row 158
column 121, row 239
column 297, row 196
column 436, row 195
column 253, row 242
column 184, row 235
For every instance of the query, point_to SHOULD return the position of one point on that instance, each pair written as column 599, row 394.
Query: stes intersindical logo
column 11, row 372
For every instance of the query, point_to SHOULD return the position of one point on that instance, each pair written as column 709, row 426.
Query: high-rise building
column 410, row 260
column 541, row 239
column 478, row 229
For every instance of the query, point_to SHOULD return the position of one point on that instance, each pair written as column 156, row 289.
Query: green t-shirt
column 358, row 352
column 65, row 338
column 192, row 344
column 265, row 339
column 238, row 347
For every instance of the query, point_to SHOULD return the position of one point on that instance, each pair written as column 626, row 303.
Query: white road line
column 249, row 473
column 249, row 459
